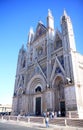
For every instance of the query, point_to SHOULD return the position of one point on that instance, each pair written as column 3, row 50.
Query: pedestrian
column 52, row 114
column 44, row 114
column 59, row 113
column 47, row 121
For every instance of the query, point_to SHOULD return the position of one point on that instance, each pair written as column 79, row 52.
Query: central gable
column 40, row 30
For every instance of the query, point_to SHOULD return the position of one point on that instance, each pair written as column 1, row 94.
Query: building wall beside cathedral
column 48, row 75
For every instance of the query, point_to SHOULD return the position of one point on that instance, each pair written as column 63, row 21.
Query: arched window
column 24, row 62
column 38, row 89
column 22, row 79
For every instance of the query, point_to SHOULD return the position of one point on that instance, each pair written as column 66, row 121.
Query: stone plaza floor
column 17, row 125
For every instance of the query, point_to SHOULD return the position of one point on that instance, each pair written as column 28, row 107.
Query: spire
column 40, row 22
column 31, row 30
column 67, row 31
column 64, row 16
column 49, row 12
column 21, row 49
column 22, row 46
column 50, row 20
column 65, row 13
column 31, row 34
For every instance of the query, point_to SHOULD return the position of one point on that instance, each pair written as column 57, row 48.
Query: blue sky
column 16, row 18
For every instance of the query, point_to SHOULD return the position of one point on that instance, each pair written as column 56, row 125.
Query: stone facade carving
column 48, row 75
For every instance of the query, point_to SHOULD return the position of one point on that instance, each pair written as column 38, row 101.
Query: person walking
column 47, row 121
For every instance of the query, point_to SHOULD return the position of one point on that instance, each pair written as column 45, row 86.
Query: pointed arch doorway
column 59, row 95
column 38, row 100
column 38, row 106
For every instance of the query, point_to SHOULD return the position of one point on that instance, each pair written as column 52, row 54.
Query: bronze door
column 38, row 106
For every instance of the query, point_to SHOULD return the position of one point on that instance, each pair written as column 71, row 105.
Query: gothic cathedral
column 49, row 71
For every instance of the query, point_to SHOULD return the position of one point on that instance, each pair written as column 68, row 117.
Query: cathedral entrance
column 62, row 108
column 38, row 106
column 59, row 96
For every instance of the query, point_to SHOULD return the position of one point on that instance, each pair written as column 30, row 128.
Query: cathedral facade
column 49, row 71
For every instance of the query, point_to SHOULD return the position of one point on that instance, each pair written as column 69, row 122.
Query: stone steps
column 40, row 120
column 75, row 122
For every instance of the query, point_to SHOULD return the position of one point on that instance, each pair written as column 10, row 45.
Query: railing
column 41, row 120
column 72, row 114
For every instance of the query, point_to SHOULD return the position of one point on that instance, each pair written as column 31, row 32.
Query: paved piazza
column 11, row 125
column 4, row 126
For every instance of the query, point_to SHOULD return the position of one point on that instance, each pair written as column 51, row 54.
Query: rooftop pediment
column 58, row 35
column 40, row 30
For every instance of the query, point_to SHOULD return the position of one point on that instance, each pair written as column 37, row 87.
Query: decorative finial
column 31, row 30
column 49, row 12
column 30, row 35
column 65, row 14
column 40, row 22
column 22, row 46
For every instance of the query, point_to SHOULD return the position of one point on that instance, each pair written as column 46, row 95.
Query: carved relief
column 58, row 70
column 39, row 51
